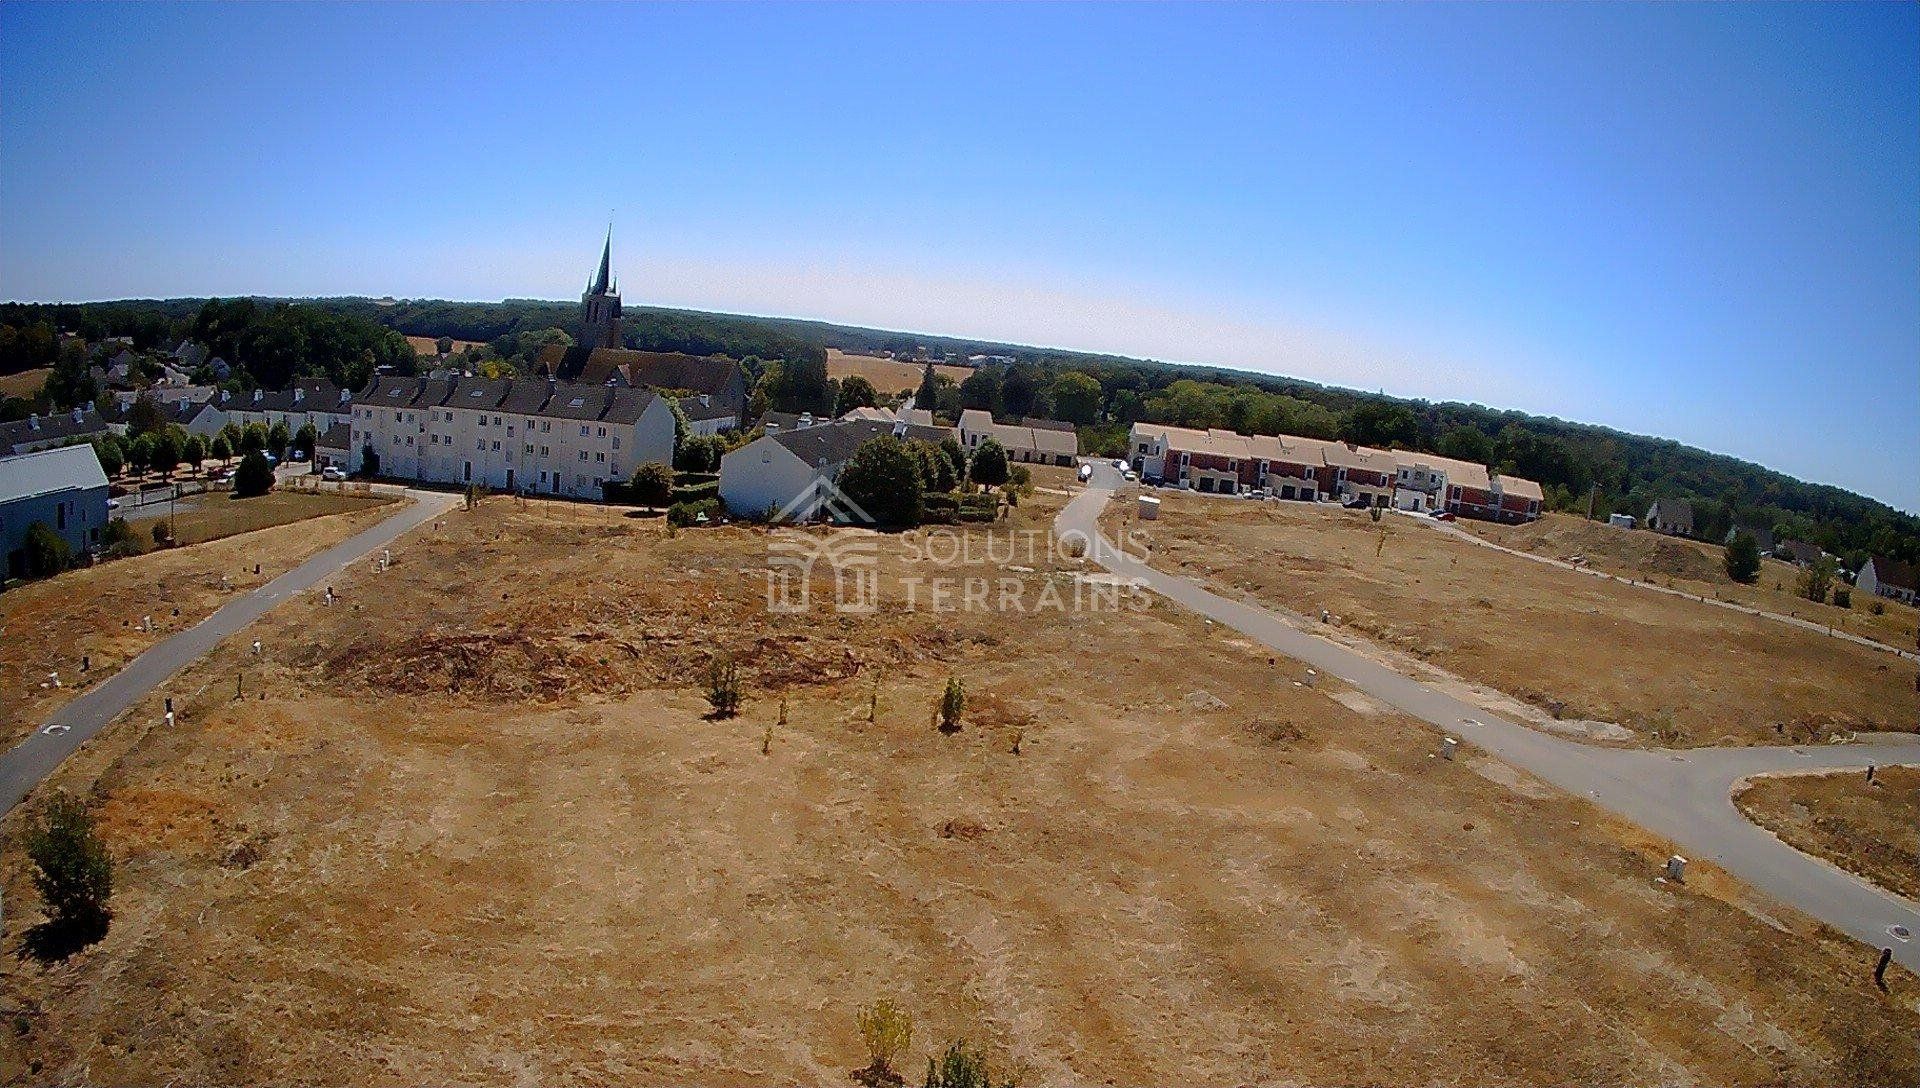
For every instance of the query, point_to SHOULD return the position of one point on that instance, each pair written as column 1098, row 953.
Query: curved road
column 22, row 768
column 1684, row 795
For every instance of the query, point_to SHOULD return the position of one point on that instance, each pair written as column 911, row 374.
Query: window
column 496, row 447
column 543, row 451
column 600, row 457
column 584, row 429
column 603, row 433
column 496, row 421
column 545, row 426
column 529, row 448
column 480, row 445
column 583, row 455
column 616, row 441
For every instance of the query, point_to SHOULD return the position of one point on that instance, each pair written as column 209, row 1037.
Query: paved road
column 1685, row 796
column 22, row 768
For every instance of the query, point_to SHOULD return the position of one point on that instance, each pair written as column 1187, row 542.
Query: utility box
column 1149, row 508
column 1620, row 521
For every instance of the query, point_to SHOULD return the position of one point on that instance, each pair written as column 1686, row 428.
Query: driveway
column 30, row 761
column 1684, row 796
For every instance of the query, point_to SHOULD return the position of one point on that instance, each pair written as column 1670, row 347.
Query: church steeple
column 600, row 281
column 600, row 306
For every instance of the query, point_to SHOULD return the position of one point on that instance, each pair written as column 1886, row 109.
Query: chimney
column 705, row 400
column 33, row 421
column 256, row 396
column 79, row 416
column 90, row 407
column 344, row 396
column 806, row 419
column 770, row 426
column 224, row 395
column 899, row 428
column 299, row 394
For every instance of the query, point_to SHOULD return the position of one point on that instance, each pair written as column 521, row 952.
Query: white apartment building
column 537, row 437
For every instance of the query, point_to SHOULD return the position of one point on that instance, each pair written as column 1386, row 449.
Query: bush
column 953, row 703
column 885, row 1031
column 700, row 453
column 682, row 514
column 723, row 687
column 74, row 876
column 1742, row 560
column 652, row 485
column 989, row 464
column 253, row 477
column 161, row 535
column 369, row 460
column 1878, row 608
column 1842, row 596
column 47, row 551
column 120, row 541
column 941, row 502
column 961, row 1067
column 882, row 478
column 696, row 492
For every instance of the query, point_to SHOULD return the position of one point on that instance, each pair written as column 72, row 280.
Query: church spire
column 601, row 280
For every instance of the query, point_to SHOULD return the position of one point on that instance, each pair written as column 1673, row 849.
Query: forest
column 1581, row 466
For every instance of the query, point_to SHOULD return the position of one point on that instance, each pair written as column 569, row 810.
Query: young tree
column 253, row 439
column 1817, row 579
column 369, row 460
column 723, row 687
column 193, row 451
column 279, row 438
column 140, row 452
column 74, row 876
column 253, row 477
column 107, row 448
column 47, row 551
column 221, row 448
column 883, row 479
column 305, row 439
column 652, row 485
column 953, row 703
column 444, row 345
column 1743, row 558
column 234, row 436
column 951, row 447
column 989, row 464
column 929, row 393
column 885, row 1030
column 856, row 392
column 164, row 450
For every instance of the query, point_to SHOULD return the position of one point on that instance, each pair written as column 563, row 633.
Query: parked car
column 333, row 473
column 1356, row 504
column 1442, row 515
column 297, row 455
column 1086, row 473
column 1129, row 475
column 1120, row 463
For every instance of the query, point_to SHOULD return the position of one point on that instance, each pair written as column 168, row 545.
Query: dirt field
column 1697, row 568
column 1872, row 829
column 218, row 514
column 1676, row 672
column 47, row 626
column 481, row 830
column 889, row 376
column 26, row 383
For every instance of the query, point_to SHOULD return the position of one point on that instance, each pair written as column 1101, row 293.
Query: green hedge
column 682, row 514
column 700, row 492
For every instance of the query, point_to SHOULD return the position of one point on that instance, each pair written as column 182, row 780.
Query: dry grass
column 1872, row 829
column 889, row 376
column 1696, row 567
column 47, row 626
column 430, row 345
column 554, row 868
column 218, row 514
column 1678, row 671
column 25, row 384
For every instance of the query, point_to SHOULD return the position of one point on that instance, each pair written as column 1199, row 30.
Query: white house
column 537, row 437
column 317, row 402
column 775, row 472
column 707, row 415
column 1890, row 578
column 1026, row 443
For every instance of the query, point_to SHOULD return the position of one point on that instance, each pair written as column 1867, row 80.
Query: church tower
column 600, row 306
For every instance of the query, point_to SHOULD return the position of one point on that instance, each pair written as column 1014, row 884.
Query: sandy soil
column 46, row 627
column 1696, row 567
column 479, row 829
column 1870, row 828
column 889, row 376
column 1676, row 672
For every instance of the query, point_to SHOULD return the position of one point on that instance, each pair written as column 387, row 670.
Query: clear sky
column 1698, row 221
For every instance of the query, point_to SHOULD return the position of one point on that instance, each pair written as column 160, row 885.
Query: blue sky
column 1695, row 221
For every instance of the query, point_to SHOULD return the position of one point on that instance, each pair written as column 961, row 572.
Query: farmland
column 889, row 376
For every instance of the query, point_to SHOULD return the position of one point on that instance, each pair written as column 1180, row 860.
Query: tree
column 279, row 438
column 981, row 389
column 1743, row 558
column 253, row 477
column 193, row 451
column 885, row 1031
column 723, row 687
column 1467, row 444
column 234, row 436
column 1076, row 397
column 107, row 448
column 856, row 392
column 1817, row 579
column 73, row 874
column 962, row 1067
column 989, row 464
column 936, row 471
column 47, row 551
column 652, row 484
column 444, row 345
column 221, row 448
column 306, row 438
column 700, row 453
column 928, row 395
column 951, row 447
column 164, row 450
column 140, row 452
column 253, row 439
column 145, row 416
column 883, row 479
column 1382, row 423
column 369, row 460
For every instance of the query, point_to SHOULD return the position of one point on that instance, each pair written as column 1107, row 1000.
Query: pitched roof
column 553, row 400
column 833, row 443
column 1520, row 488
column 712, row 409
column 38, row 428
column 337, row 437
column 64, row 468
column 315, row 395
column 1022, row 437
column 711, row 374
column 1893, row 572
column 1046, row 424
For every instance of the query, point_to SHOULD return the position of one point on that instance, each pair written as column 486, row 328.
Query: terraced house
column 536, row 437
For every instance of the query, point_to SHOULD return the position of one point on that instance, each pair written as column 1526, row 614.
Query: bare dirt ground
column 480, row 829
column 25, row 383
column 889, row 376
column 1676, row 672
column 46, row 627
column 1869, row 828
column 1696, row 567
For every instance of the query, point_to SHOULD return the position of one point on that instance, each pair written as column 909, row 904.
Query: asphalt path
column 24, row 766
column 1683, row 795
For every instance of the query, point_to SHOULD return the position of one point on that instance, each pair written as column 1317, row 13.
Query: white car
column 1120, row 463
column 1129, row 475
column 334, row 473
column 1086, row 473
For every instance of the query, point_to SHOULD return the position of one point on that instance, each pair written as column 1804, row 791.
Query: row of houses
column 1310, row 469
